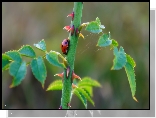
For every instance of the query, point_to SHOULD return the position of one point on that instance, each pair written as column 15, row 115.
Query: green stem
column 67, row 81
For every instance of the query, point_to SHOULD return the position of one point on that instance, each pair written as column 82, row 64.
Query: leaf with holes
column 14, row 55
column 52, row 58
column 85, row 94
column 129, row 68
column 120, row 58
column 81, row 97
column 41, row 45
column 87, row 81
column 27, row 51
column 56, row 85
column 104, row 40
column 39, row 69
column 18, row 71
column 5, row 61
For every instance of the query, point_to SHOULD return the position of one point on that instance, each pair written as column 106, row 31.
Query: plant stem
column 67, row 81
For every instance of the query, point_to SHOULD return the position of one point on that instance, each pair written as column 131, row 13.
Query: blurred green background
column 27, row 23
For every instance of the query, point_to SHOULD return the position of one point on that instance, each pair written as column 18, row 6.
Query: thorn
column 74, row 86
column 68, row 28
column 75, row 76
column 60, row 75
column 72, row 15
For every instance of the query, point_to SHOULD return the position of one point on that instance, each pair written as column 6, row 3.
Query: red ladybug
column 65, row 46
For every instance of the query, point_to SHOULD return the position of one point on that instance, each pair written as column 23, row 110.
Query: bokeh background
column 27, row 23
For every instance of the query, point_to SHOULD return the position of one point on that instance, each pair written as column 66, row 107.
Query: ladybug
column 65, row 46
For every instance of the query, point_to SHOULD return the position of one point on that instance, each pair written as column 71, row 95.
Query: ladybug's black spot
column 62, row 45
column 66, row 42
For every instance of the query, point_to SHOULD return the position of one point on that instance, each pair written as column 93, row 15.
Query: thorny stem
column 67, row 83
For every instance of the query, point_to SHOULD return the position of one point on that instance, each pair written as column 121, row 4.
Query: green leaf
column 14, row 55
column 114, row 43
column 104, row 40
column 56, row 85
column 80, row 90
column 130, row 60
column 18, row 71
column 95, row 26
column 5, row 61
column 27, row 51
column 81, row 97
column 120, row 58
column 39, row 69
column 99, row 23
column 41, row 45
column 87, row 81
column 52, row 58
column 129, row 68
column 88, row 89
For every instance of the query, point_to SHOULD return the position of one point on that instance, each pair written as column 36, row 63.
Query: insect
column 65, row 46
